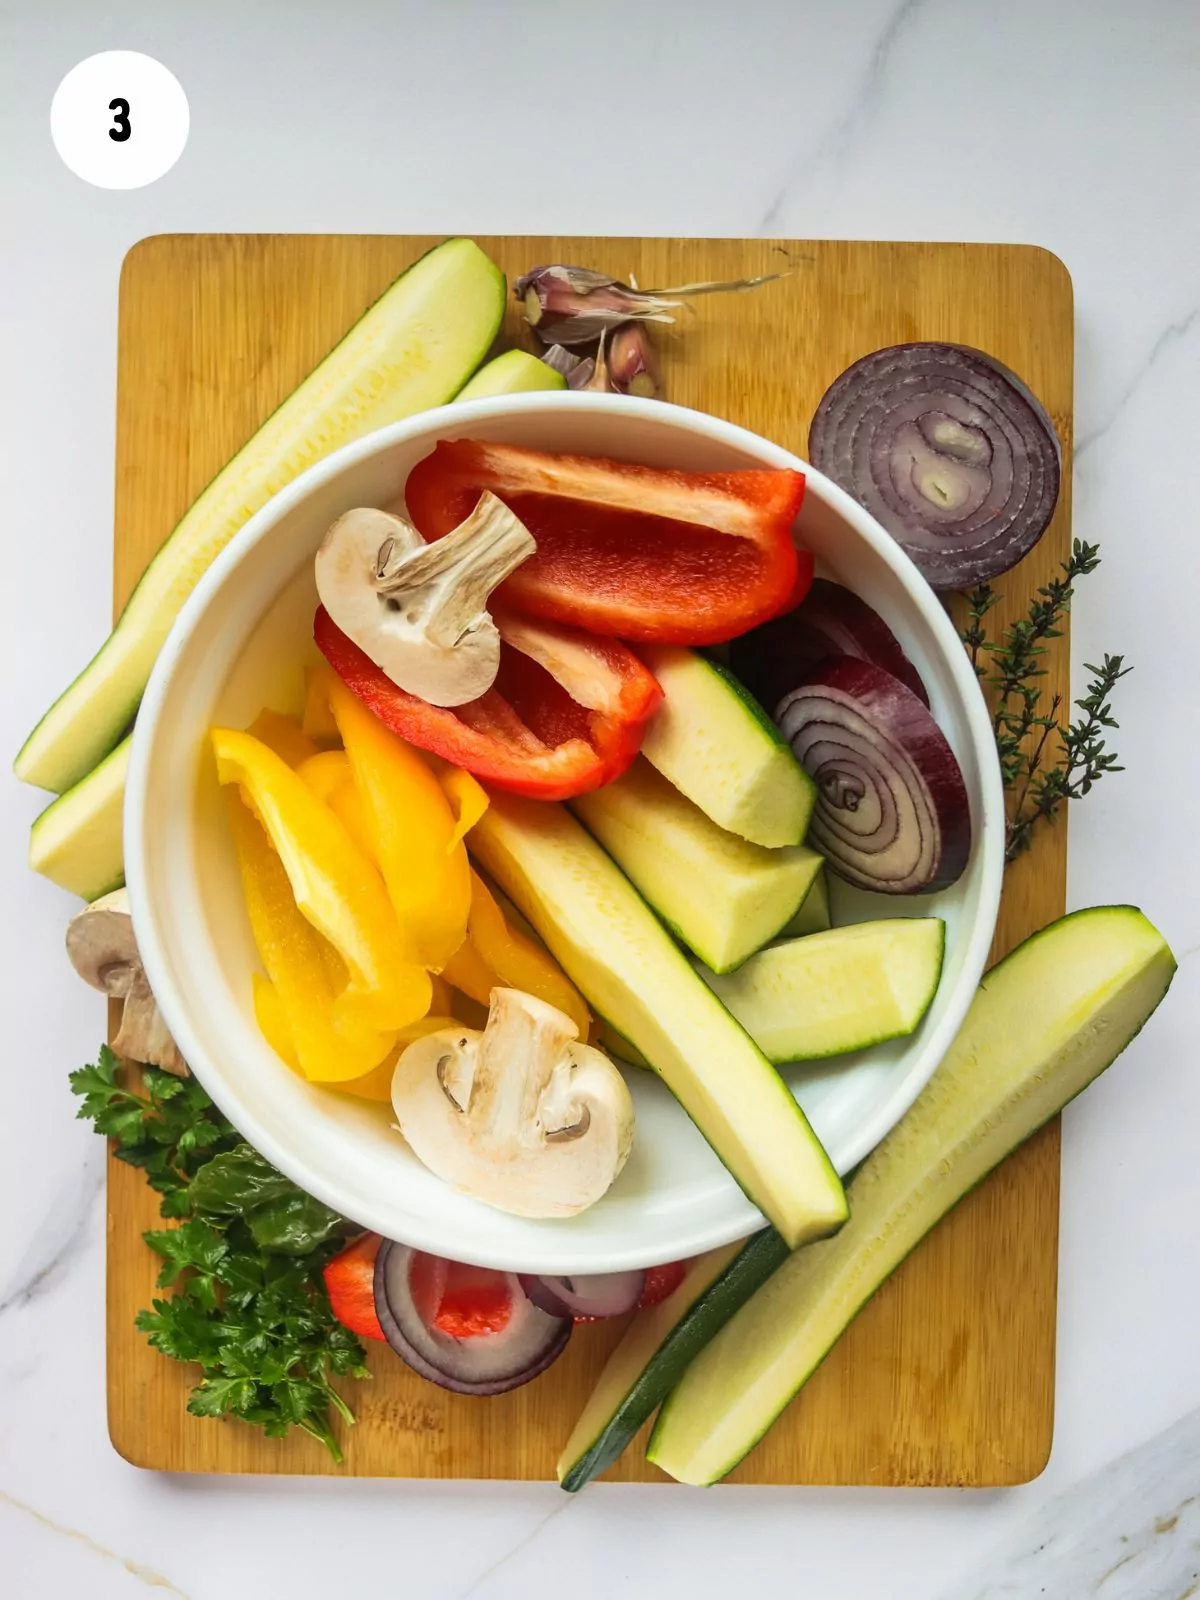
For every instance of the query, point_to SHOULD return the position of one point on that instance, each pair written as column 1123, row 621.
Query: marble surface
column 1067, row 123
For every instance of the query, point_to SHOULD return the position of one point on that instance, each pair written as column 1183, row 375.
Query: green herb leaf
column 1044, row 761
column 249, row 1305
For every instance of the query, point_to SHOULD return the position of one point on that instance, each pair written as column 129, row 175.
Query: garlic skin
column 574, row 305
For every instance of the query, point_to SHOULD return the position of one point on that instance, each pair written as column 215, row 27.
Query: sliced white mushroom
column 104, row 952
column 420, row 610
column 521, row 1116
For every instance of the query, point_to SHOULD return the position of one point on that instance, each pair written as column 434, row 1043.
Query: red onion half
column 892, row 812
column 486, row 1363
column 774, row 657
column 599, row 1294
column 948, row 450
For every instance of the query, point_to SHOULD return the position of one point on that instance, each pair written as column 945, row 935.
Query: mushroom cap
column 521, row 1116
column 433, row 638
column 101, row 944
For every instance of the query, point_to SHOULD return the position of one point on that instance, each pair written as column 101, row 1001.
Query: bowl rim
column 989, row 844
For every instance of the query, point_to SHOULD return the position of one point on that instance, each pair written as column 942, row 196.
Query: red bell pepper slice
column 660, row 1282
column 637, row 552
column 566, row 714
column 350, row 1283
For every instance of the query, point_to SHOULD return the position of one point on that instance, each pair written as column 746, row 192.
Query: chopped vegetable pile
column 528, row 834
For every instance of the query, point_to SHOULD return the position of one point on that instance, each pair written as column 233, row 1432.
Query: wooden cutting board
column 948, row 1376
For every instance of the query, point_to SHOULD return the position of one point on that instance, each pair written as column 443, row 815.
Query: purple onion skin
column 420, row 1363
column 610, row 1302
column 949, row 450
column 852, row 725
column 775, row 657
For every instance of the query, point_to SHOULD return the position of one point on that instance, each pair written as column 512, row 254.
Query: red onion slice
column 600, row 1294
column 892, row 812
column 773, row 658
column 949, row 450
column 483, row 1364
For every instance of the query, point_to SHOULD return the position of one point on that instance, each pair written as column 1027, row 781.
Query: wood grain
column 947, row 1377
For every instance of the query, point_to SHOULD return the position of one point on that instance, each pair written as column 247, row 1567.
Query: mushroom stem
column 522, row 1048
column 418, row 610
column 446, row 584
column 522, row 1116
column 104, row 952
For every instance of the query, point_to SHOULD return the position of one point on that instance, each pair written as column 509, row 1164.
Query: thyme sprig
column 1044, row 759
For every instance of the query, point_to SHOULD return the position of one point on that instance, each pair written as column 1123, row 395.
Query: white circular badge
column 119, row 119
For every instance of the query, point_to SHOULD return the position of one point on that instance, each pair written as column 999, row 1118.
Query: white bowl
column 239, row 645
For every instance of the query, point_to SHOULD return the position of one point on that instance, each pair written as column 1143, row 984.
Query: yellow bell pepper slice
column 295, row 1003
column 284, row 735
column 377, row 1084
column 329, row 777
column 273, row 1021
column 317, row 721
column 517, row 962
column 470, row 974
column 334, row 885
column 413, row 830
column 467, row 796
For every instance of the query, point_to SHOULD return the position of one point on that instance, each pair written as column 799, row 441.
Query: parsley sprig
column 1045, row 760
column 249, row 1304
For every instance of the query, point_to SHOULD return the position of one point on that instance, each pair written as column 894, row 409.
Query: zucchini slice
column 413, row 349
column 77, row 841
column 656, row 1349
column 832, row 992
column 718, row 746
column 514, row 372
column 1045, row 1022
column 721, row 895
column 612, row 946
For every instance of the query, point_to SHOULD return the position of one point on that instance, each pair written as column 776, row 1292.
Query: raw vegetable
column 498, row 954
column 285, row 736
column 514, row 372
column 566, row 714
column 610, row 943
column 632, row 362
column 656, row 1349
column 949, row 450
column 335, row 887
column 813, row 916
column 350, row 1285
column 832, row 992
column 330, row 777
column 412, row 829
column 722, row 896
column 831, row 621
column 575, row 370
column 638, row 552
column 248, row 1302
column 1046, row 1022
column 892, row 812
column 1045, row 759
column 102, row 949
column 575, row 305
column 588, row 1298
column 660, row 1282
column 520, row 1116
column 719, row 748
column 515, row 1344
column 413, row 349
column 307, row 976
column 420, row 610
column 77, row 841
